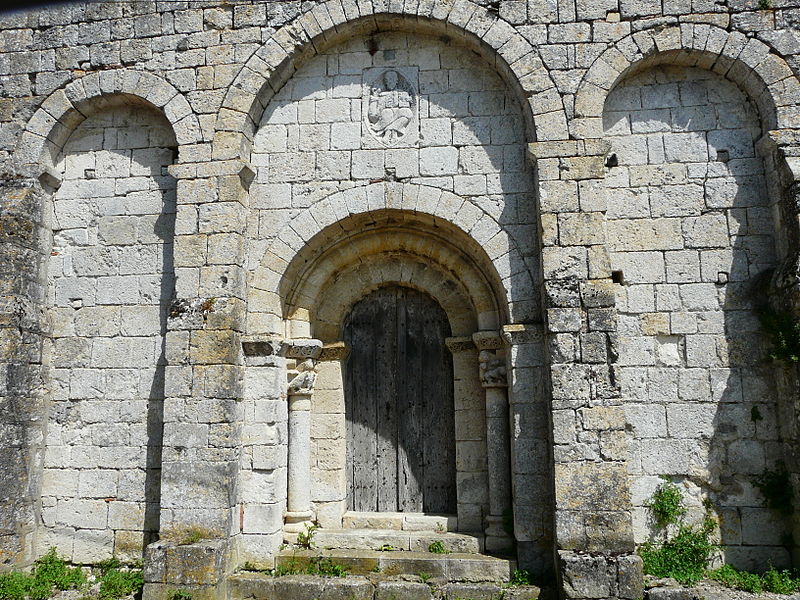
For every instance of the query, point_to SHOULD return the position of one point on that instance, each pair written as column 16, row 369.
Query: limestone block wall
column 468, row 138
column 688, row 225
column 110, row 283
column 691, row 227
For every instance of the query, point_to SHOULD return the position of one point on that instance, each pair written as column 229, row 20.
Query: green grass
column 685, row 557
column 51, row 573
column 438, row 547
column 777, row 582
column 116, row 582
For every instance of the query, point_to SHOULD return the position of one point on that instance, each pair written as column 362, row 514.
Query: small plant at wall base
column 49, row 573
column 326, row 567
column 116, row 582
column 685, row 556
column 305, row 539
column 521, row 577
column 774, row 581
column 438, row 547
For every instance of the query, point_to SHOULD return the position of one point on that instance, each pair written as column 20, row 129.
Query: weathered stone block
column 586, row 576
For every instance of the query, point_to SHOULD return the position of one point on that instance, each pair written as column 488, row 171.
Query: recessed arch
column 60, row 113
column 472, row 239
column 748, row 62
column 336, row 297
column 327, row 24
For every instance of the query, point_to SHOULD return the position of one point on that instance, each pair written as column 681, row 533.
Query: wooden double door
column 399, row 404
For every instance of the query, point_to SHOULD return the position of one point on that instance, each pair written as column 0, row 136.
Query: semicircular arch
column 61, row 112
column 327, row 24
column 391, row 268
column 447, row 219
column 746, row 61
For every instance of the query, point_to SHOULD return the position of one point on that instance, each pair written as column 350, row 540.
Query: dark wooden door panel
column 399, row 404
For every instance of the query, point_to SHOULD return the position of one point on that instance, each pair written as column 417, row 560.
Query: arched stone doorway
column 399, row 404
column 396, row 255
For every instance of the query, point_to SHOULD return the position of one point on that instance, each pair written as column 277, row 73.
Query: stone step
column 400, row 521
column 255, row 586
column 392, row 539
column 451, row 567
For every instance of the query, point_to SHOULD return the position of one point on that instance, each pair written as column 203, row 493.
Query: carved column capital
column 487, row 340
column 492, row 369
column 301, row 349
column 523, row 333
column 334, row 351
column 459, row 344
column 302, row 378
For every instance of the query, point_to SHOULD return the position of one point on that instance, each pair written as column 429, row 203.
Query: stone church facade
column 536, row 231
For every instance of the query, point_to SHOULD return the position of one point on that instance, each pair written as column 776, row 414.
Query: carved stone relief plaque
column 390, row 107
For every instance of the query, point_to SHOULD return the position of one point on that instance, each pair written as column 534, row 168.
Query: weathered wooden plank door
column 399, row 404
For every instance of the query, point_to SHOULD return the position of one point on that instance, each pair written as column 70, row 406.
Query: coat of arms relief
column 390, row 107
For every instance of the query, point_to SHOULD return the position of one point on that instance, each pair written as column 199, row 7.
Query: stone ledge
column 259, row 586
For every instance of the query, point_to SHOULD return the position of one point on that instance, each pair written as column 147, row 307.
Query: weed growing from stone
column 326, row 567
column 438, row 547
column 783, row 330
column 291, row 569
column 305, row 539
column 665, row 505
column 116, row 582
column 321, row 566
column 685, row 557
column 49, row 573
column 777, row 582
column 184, row 536
column 180, row 595
column 521, row 577
column 424, row 577
column 15, row 586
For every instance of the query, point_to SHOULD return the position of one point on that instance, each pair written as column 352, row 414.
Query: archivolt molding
column 330, row 22
column 335, row 299
column 485, row 249
column 62, row 111
column 746, row 61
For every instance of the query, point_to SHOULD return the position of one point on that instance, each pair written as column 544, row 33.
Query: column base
column 297, row 521
column 497, row 538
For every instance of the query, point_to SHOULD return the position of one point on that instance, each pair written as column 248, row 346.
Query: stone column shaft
column 299, row 395
column 492, row 365
column 497, row 441
column 298, row 497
